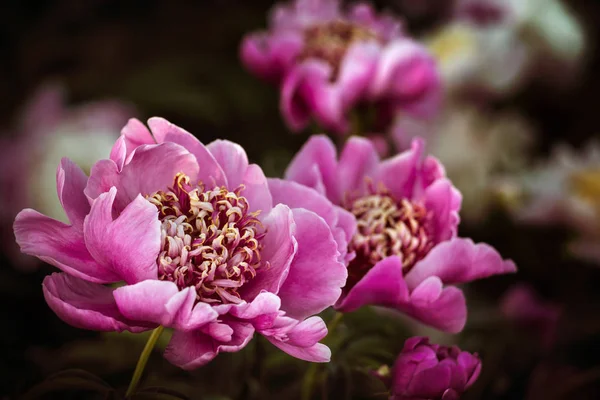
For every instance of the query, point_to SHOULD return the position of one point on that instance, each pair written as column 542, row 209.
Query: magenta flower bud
column 328, row 60
column 425, row 371
column 199, row 243
column 405, row 253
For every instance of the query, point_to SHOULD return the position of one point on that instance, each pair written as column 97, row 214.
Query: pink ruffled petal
column 261, row 312
column 383, row 285
column 270, row 56
column 358, row 160
column 436, row 306
column 315, row 166
column 210, row 171
column 279, row 249
column 400, row 173
column 356, row 72
column 129, row 244
column 301, row 340
column 86, row 305
column 136, row 134
column 257, row 190
column 443, row 200
column 190, row 350
column 70, row 183
column 459, row 260
column 118, row 153
column 161, row 302
column 60, row 245
column 309, row 289
column 145, row 173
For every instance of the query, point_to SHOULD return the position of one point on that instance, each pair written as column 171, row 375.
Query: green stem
column 141, row 364
column 311, row 373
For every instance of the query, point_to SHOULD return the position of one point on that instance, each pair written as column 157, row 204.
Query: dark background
column 178, row 59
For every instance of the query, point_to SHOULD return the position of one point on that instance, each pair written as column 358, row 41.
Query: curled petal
column 86, row 305
column 401, row 173
column 162, row 303
column 358, row 161
column 307, row 289
column 129, row 244
column 443, row 200
column 459, row 260
column 60, row 245
column 302, row 341
column 70, row 183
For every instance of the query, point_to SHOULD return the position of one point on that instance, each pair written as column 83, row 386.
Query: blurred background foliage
column 179, row 60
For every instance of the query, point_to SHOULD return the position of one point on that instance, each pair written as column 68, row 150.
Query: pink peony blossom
column 425, row 371
column 329, row 62
column 406, row 254
column 46, row 131
column 193, row 233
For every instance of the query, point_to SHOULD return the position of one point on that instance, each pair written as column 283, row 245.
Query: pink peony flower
column 406, row 255
column 425, row 371
column 193, row 233
column 46, row 131
column 330, row 61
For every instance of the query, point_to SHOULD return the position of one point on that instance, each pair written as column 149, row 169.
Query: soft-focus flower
column 425, row 371
column 330, row 62
column 46, row 131
column 476, row 147
column 520, row 36
column 566, row 190
column 523, row 306
column 406, row 253
column 193, row 233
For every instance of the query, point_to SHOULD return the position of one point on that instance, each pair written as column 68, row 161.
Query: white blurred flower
column 566, row 190
column 475, row 147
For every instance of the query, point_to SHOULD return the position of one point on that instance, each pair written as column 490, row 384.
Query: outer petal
column 279, row 249
column 70, row 183
column 441, row 308
column 316, row 276
column 190, row 350
column 161, row 302
column 400, row 173
column 60, row 245
column 129, row 244
column 356, row 72
column 136, row 134
column 459, row 260
column 306, row 91
column 295, row 195
column 383, row 285
column 210, row 171
column 358, row 160
column 315, row 166
column 443, row 200
column 145, row 173
column 85, row 305
column 302, row 341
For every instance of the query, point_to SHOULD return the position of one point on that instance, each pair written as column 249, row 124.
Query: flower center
column 386, row 227
column 209, row 239
column 330, row 41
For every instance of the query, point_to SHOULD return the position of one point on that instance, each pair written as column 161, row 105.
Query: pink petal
column 136, row 134
column 358, row 161
column 118, row 153
column 60, row 245
column 459, row 260
column 145, row 173
column 316, row 276
column 279, row 248
column 301, row 341
column 129, row 244
column 86, row 305
column 315, row 166
column 70, row 183
column 162, row 303
column 270, row 56
column 356, row 71
column 316, row 353
column 443, row 200
column 433, row 305
column 190, row 350
column 432, row 382
column 400, row 173
column 261, row 312
column 209, row 171
column 383, row 285
column 257, row 190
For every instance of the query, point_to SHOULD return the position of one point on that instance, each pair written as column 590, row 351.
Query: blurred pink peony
column 425, row 371
column 48, row 130
column 194, row 234
column 406, row 255
column 329, row 62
